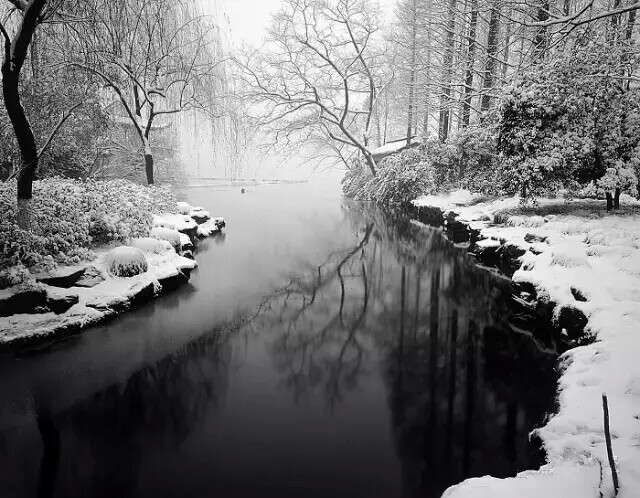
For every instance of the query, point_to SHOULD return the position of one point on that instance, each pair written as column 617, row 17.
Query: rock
column 59, row 303
column 510, row 257
column 457, row 231
column 185, row 243
column 523, row 286
column 142, row 294
column 200, row 216
column 429, row 215
column 532, row 237
column 573, row 320
column 63, row 277
column 22, row 300
column 578, row 295
column 91, row 277
column 173, row 281
column 486, row 252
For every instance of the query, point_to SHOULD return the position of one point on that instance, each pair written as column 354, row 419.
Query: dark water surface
column 321, row 349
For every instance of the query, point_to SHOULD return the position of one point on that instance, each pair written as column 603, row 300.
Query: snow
column 174, row 221
column 209, row 227
column 184, row 240
column 184, row 207
column 597, row 254
column 167, row 234
column 154, row 245
column 198, row 212
column 129, row 271
column 389, row 148
column 125, row 261
column 95, row 303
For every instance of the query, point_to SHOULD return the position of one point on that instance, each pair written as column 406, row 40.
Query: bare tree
column 154, row 56
column 317, row 73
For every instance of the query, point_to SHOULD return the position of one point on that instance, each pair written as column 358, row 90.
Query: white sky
column 248, row 18
column 245, row 22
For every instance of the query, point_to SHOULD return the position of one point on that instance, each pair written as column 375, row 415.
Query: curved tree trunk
column 26, row 143
column 15, row 53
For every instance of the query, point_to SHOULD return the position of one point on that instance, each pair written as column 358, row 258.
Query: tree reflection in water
column 399, row 308
column 464, row 389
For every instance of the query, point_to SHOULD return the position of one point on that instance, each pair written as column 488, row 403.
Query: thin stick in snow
column 607, row 435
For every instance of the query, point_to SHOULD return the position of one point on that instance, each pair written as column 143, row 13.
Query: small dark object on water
column 242, row 191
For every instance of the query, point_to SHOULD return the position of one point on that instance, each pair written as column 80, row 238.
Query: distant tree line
column 548, row 88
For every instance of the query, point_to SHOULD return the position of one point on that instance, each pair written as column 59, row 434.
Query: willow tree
column 156, row 57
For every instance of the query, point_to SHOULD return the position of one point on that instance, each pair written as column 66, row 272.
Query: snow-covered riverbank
column 577, row 257
column 53, row 305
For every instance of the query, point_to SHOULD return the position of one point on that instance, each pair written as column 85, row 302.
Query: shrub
column 467, row 160
column 70, row 215
column 126, row 261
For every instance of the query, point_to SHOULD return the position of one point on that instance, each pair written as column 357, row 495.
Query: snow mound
column 184, row 207
column 184, row 240
column 208, row 228
column 168, row 234
column 125, row 261
column 152, row 245
column 463, row 197
column 568, row 257
column 525, row 221
column 175, row 221
column 199, row 212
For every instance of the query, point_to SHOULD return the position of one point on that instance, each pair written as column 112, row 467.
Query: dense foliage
column 72, row 215
column 571, row 121
column 466, row 160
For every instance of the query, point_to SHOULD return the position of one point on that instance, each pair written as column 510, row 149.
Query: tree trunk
column 492, row 50
column 15, row 54
column 609, row 201
column 468, row 80
column 370, row 162
column 427, row 93
column 26, row 143
column 540, row 40
column 616, row 199
column 412, row 72
column 447, row 70
column 148, row 161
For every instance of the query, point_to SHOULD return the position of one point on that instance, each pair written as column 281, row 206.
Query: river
column 322, row 348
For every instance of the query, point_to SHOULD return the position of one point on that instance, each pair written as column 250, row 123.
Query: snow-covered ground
column 76, row 297
column 590, row 260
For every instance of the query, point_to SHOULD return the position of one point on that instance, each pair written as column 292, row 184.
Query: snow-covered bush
column 566, row 123
column 125, row 261
column 464, row 161
column 70, row 215
column 169, row 235
column 152, row 245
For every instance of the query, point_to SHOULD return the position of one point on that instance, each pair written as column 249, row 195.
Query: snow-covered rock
column 154, row 245
column 208, row 228
column 587, row 266
column 179, row 222
column 125, row 261
column 169, row 235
